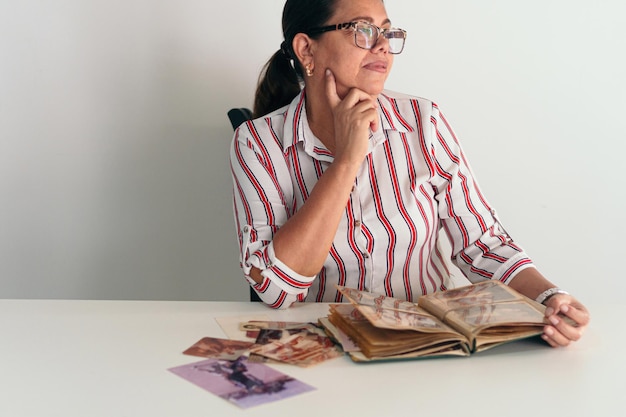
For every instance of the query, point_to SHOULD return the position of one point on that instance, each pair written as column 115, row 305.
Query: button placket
column 359, row 237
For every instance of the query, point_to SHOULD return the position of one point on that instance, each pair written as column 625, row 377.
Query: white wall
column 114, row 179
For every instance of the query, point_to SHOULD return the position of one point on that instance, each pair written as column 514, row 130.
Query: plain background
column 114, row 174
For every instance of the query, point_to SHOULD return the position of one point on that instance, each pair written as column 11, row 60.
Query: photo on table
column 243, row 383
column 213, row 347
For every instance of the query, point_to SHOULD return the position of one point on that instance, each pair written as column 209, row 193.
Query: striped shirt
column 414, row 181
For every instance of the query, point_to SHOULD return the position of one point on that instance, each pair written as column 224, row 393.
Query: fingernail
column 553, row 320
column 564, row 308
column 549, row 311
column 548, row 331
column 327, row 71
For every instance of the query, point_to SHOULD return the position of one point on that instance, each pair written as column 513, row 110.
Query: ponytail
column 280, row 80
column 278, row 85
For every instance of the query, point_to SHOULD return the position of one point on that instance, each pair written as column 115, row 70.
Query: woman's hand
column 354, row 116
column 560, row 331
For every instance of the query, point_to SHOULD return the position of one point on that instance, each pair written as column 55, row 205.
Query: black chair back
column 238, row 116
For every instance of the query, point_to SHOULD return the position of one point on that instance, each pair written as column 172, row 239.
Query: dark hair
column 280, row 78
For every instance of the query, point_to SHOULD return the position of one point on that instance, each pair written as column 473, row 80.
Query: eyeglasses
column 366, row 35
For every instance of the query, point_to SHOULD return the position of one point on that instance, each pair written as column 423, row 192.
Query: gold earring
column 308, row 70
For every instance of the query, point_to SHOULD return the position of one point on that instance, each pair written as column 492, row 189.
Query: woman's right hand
column 354, row 116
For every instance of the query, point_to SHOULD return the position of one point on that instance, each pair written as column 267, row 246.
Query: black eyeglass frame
column 352, row 25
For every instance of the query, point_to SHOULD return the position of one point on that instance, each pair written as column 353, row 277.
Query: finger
column 579, row 315
column 554, row 337
column 362, row 106
column 356, row 99
column 365, row 104
column 549, row 340
column 331, row 89
column 564, row 328
column 373, row 118
column 374, row 124
column 367, row 113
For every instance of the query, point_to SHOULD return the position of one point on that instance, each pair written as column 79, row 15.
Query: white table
column 109, row 358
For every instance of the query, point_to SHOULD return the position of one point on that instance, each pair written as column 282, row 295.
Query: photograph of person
column 241, row 382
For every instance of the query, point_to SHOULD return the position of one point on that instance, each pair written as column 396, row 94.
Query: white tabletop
column 110, row 358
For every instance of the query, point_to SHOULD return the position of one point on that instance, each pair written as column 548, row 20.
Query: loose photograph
column 243, row 383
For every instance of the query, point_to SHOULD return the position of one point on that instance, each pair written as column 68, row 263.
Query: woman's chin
column 373, row 87
column 374, row 90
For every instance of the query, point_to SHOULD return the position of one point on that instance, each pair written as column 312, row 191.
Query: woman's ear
column 303, row 47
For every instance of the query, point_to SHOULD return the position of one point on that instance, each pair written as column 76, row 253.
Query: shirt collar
column 297, row 127
column 390, row 114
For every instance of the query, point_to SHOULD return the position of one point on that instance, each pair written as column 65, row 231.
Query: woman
column 344, row 183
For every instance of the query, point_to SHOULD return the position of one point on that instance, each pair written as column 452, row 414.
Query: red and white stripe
column 414, row 182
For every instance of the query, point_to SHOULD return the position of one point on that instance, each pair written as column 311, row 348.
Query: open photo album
column 456, row 322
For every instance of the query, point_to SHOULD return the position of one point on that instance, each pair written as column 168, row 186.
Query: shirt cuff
column 278, row 273
column 512, row 267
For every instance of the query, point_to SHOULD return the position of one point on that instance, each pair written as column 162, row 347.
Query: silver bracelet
column 541, row 298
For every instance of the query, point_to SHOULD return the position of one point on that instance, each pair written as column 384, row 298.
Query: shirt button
column 366, row 255
column 357, row 223
column 353, row 188
column 246, row 229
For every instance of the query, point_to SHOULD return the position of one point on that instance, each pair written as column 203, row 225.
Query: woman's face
column 352, row 66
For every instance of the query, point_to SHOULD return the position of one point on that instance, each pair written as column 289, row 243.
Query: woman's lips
column 378, row 66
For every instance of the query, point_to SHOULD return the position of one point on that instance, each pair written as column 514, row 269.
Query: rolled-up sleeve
column 263, row 202
column 481, row 248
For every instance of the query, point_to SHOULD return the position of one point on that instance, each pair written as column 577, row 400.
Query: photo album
column 457, row 322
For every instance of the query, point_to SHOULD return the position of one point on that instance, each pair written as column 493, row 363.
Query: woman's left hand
column 560, row 331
